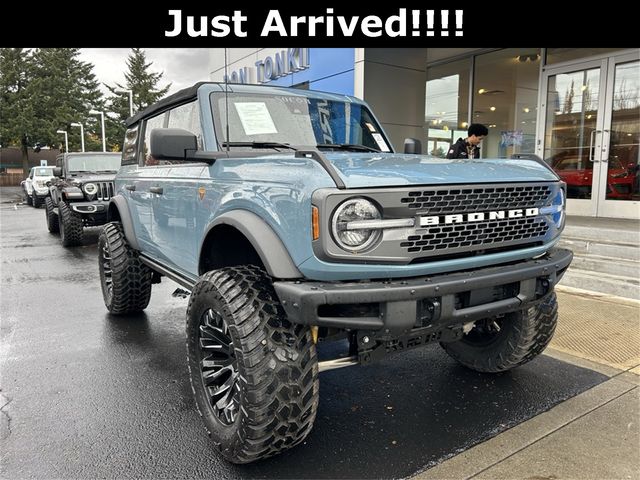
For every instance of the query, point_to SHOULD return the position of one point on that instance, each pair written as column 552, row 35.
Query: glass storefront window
column 504, row 100
column 447, row 105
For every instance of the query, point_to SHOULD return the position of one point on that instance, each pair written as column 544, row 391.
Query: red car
column 578, row 174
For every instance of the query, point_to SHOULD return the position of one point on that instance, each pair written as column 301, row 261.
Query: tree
column 64, row 91
column 16, row 111
column 143, row 83
column 45, row 90
column 568, row 99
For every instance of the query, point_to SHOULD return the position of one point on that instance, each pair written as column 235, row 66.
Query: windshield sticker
column 381, row 143
column 370, row 127
column 255, row 118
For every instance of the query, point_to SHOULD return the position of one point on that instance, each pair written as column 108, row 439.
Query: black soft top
column 178, row 97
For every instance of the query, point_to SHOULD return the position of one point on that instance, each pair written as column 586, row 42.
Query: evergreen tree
column 16, row 111
column 64, row 91
column 45, row 90
column 144, row 85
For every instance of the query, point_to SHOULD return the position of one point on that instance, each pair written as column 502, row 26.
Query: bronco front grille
column 489, row 234
column 105, row 190
column 450, row 221
column 476, row 199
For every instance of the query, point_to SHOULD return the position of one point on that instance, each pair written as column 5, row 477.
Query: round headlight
column 90, row 188
column 355, row 210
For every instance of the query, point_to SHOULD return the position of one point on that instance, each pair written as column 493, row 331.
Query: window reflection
column 624, row 142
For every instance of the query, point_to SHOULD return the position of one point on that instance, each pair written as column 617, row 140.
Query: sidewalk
column 594, row 435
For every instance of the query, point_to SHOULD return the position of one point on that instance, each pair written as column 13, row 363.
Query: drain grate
column 599, row 330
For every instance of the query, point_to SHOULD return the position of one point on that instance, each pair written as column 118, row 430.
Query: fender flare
column 120, row 204
column 267, row 244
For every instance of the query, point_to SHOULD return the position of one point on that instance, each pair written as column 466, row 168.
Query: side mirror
column 172, row 143
column 57, row 172
column 412, row 146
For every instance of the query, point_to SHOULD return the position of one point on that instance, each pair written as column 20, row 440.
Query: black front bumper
column 401, row 303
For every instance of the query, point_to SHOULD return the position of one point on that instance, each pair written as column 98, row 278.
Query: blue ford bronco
column 291, row 220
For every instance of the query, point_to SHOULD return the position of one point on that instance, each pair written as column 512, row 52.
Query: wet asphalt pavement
column 87, row 395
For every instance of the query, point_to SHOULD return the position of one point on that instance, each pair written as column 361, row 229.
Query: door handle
column 591, row 149
column 157, row 190
column 130, row 187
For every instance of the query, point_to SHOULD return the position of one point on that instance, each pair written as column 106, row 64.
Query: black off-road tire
column 71, row 228
column 36, row 201
column 523, row 336
column 125, row 280
column 29, row 199
column 50, row 215
column 275, row 384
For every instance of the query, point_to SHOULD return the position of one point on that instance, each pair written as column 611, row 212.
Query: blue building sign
column 327, row 69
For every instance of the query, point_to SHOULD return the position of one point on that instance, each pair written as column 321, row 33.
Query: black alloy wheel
column 107, row 272
column 218, row 366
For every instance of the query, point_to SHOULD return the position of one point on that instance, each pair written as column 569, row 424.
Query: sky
column 182, row 67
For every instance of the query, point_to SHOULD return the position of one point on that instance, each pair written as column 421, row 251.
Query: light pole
column 66, row 140
column 81, row 133
column 104, row 140
column 130, row 92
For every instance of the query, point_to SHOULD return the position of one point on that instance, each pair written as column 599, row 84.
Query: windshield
column 43, row 172
column 295, row 120
column 108, row 162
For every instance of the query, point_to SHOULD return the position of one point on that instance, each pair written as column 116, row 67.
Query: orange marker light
column 315, row 223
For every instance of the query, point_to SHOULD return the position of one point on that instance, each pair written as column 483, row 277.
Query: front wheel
column 52, row 218
column 71, row 227
column 498, row 344
column 253, row 373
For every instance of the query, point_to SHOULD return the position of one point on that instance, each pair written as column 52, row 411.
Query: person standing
column 469, row 147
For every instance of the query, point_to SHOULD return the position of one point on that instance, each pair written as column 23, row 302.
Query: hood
column 92, row 177
column 382, row 170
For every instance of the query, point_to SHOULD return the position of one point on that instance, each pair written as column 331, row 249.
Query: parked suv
column 80, row 193
column 292, row 221
column 35, row 185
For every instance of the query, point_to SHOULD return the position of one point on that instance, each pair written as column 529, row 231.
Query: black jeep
column 80, row 193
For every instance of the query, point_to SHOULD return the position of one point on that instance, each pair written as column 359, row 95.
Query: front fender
column 264, row 240
column 72, row 193
column 119, row 211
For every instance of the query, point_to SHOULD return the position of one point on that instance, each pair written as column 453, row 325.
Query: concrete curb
column 480, row 458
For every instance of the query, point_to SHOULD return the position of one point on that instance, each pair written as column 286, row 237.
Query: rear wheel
column 253, row 373
column 71, row 228
column 125, row 280
column 52, row 218
column 498, row 344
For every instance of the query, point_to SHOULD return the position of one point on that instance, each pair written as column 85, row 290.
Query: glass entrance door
column 591, row 121
column 619, row 192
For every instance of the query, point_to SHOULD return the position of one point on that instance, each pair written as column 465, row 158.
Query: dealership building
column 577, row 108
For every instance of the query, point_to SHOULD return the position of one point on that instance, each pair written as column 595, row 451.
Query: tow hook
column 467, row 327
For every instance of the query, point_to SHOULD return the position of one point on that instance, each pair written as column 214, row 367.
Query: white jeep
column 35, row 186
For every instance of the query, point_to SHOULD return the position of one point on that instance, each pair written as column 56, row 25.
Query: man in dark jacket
column 469, row 147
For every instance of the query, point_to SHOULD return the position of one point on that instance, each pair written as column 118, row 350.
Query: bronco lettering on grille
column 478, row 217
